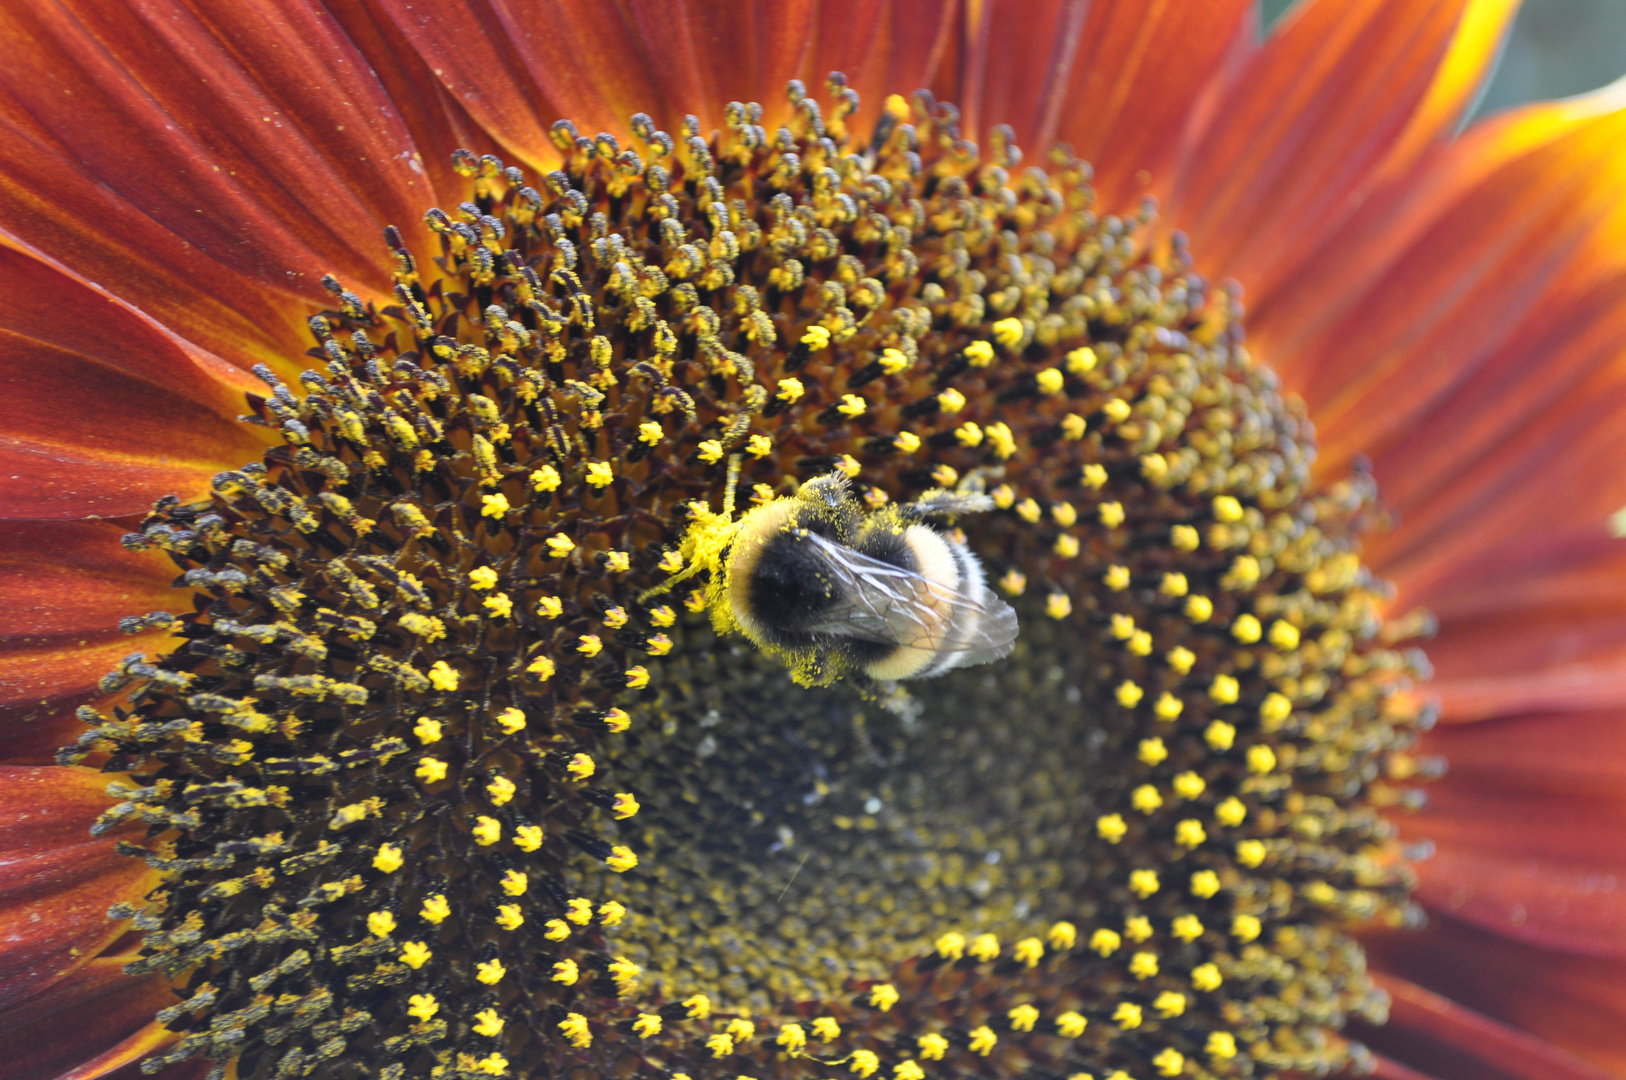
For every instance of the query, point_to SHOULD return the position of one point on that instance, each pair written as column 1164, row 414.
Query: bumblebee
column 831, row 588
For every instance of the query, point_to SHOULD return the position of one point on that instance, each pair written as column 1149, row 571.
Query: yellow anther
column 1180, row 659
column 435, row 910
column 1111, row 827
column 658, row 644
column 1152, row 751
column 968, row 435
column 1250, row 853
column 1274, row 710
column 649, row 432
column 1231, row 812
column 388, row 858
column 1170, row 1004
column 1073, row 427
column 720, row 1045
column 852, row 405
column 494, row 506
column 626, row 976
column 893, row 361
column 1243, row 574
column 1173, row 584
column 1245, row 928
column 430, row 770
column 849, row 466
column 560, row 545
column 1246, row 629
column 581, row 767
column 1145, row 798
column 1227, row 509
column 415, row 954
column 1188, row 785
column 908, row 1070
column 1219, row 735
column 422, row 1007
column 515, row 882
column 1000, row 439
column 950, row 400
column 611, row 912
column 490, row 972
column 826, row 1028
column 1008, row 332
column 1081, row 361
column 789, row 390
column 1127, row 1015
column 482, row 577
column 487, row 830
column 1224, row 689
column 380, row 924
column 637, row 677
column 1116, row 578
column 488, row 1023
column 1184, row 538
column 1221, row 1045
column 1154, row 467
column 555, row 930
column 1204, row 884
column 1004, row 496
column 1169, row 1062
column 983, row 1040
column 621, row 859
column 1029, row 951
column 1105, row 942
column 759, row 446
column 1187, row 928
column 1123, row 627
column 950, row 946
column 863, row 1063
column 509, row 916
column 932, row 1046
column 442, row 676
column 1168, row 707
column 600, row 474
column 710, row 451
column 545, row 479
column 1261, row 759
column 1070, row 1025
column 1014, row 582
column 427, row 730
column 1206, row 977
column 512, row 720
column 1049, row 381
column 1111, row 514
column 550, row 607
column 625, row 806
column 617, row 720
column 1284, row 635
column 1094, row 477
column 528, row 837
column 1143, row 965
column 1129, row 694
column 565, row 972
column 500, row 790
column 617, row 562
column 984, row 947
column 1023, row 1017
column 979, row 354
column 574, row 1028
column 1143, row 883
column 1058, row 605
column 1062, row 935
column 1066, row 546
column 498, row 606
column 1190, row 833
column 883, row 996
column 1137, row 928
column 1028, row 510
column 1199, row 609
column 1116, row 409
column 589, row 645
column 816, row 338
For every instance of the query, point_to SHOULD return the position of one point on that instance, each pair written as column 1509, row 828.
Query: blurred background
column 1557, row 48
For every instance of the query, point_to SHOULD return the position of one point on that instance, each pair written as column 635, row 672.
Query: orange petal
column 91, row 1023
column 107, row 409
column 42, row 681
column 254, row 132
column 1488, row 1007
column 1344, row 94
column 56, row 882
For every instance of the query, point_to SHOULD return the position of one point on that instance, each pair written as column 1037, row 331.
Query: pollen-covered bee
column 832, row 588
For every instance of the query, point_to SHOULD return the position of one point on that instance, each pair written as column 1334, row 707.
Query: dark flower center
column 433, row 793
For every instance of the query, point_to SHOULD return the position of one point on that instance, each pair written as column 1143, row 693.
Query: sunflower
column 372, row 367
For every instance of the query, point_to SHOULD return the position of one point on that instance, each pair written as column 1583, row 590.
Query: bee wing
column 889, row 605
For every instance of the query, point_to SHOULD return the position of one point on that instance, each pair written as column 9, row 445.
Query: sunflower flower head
column 437, row 784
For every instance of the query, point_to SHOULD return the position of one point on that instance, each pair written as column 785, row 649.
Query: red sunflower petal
column 93, row 1022
column 889, row 48
column 56, row 882
column 1488, row 1004
column 1343, row 94
column 256, row 133
column 108, row 409
column 69, row 602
